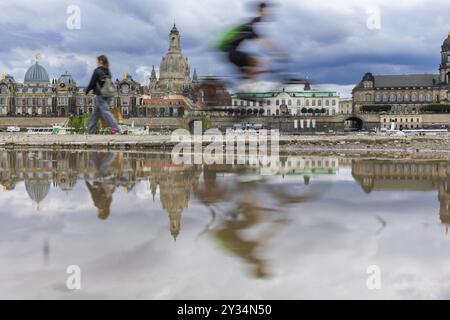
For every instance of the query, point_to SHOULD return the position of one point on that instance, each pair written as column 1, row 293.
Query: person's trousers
column 102, row 110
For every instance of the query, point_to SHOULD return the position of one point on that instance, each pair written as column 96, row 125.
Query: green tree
column 79, row 123
column 206, row 122
column 436, row 108
column 375, row 108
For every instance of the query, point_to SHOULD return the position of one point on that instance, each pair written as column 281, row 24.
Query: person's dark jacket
column 97, row 80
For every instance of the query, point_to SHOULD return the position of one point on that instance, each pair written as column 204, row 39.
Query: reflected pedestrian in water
column 103, row 185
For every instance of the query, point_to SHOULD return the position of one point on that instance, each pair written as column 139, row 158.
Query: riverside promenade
column 350, row 142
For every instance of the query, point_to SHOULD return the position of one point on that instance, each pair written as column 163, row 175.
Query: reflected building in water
column 378, row 175
column 104, row 172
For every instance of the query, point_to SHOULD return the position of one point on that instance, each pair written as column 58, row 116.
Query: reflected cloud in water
column 278, row 224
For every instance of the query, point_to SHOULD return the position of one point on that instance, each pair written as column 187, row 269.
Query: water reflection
column 247, row 206
column 103, row 172
column 394, row 175
column 103, row 185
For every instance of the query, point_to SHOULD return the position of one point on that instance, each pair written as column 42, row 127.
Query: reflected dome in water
column 37, row 191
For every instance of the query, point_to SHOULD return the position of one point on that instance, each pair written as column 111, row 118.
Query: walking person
column 101, row 76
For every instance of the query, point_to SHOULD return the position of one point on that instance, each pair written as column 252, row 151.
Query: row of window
column 411, row 126
column 33, row 101
column 308, row 103
column 401, row 120
column 62, row 101
column 400, row 97
column 299, row 112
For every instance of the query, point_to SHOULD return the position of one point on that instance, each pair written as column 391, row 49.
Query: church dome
column 175, row 64
column 446, row 44
column 36, row 73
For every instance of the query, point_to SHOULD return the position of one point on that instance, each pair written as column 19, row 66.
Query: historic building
column 345, row 106
column 406, row 93
column 128, row 94
column 305, row 102
column 158, row 107
column 174, row 71
column 38, row 96
column 401, row 121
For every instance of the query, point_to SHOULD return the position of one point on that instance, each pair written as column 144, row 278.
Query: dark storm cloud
column 329, row 41
column 20, row 35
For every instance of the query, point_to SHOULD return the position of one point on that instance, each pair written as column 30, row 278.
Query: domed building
column 41, row 96
column 174, row 71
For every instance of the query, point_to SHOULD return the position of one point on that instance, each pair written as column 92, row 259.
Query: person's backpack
column 227, row 38
column 108, row 90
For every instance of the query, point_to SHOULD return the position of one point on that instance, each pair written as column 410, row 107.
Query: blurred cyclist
column 249, row 65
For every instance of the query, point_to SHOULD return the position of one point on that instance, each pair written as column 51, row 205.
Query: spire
column 153, row 74
column 194, row 76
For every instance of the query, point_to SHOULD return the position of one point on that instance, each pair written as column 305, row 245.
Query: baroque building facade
column 283, row 102
column 406, row 93
column 38, row 96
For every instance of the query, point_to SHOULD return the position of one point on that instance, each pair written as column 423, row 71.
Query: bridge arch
column 353, row 123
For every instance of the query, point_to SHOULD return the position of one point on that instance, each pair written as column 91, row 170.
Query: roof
column 174, row 29
column 413, row 80
column 299, row 94
column 446, row 44
column 36, row 73
column 150, row 102
column 403, row 81
column 65, row 78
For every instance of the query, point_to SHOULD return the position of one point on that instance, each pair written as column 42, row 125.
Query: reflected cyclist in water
column 258, row 205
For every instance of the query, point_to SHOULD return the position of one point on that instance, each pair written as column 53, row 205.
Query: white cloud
column 329, row 41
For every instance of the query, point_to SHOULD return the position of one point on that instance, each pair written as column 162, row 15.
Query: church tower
column 174, row 71
column 174, row 40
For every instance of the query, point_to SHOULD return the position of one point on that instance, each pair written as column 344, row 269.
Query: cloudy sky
column 331, row 42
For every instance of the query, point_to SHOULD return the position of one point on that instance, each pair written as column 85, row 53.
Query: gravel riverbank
column 348, row 143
